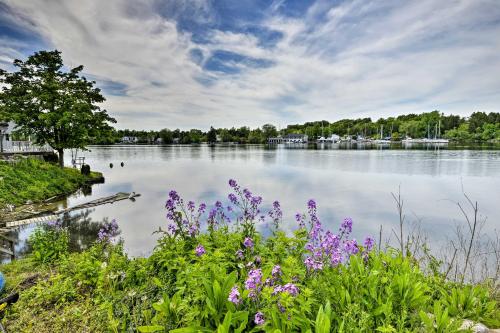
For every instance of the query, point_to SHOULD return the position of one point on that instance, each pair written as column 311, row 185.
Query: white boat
column 382, row 141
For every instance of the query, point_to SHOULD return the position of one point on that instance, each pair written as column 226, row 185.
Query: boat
column 382, row 140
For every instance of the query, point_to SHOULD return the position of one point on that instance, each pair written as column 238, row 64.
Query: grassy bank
column 214, row 271
column 32, row 180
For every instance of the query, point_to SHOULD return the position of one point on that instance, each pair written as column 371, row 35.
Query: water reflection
column 82, row 228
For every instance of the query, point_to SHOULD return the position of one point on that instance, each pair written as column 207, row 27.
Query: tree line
column 479, row 126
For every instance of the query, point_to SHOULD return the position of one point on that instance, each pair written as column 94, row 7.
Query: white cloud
column 363, row 58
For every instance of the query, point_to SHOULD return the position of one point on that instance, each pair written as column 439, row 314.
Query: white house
column 6, row 133
column 130, row 139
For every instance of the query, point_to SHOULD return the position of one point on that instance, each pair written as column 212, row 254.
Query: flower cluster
column 253, row 282
column 276, row 214
column 200, row 250
column 185, row 219
column 234, row 296
column 108, row 231
column 326, row 249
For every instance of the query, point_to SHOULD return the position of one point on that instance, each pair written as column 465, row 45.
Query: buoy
column 122, row 164
column 111, row 165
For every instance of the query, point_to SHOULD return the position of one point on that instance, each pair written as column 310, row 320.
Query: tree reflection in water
column 82, row 230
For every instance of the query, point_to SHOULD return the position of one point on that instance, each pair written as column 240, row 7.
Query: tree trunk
column 60, row 153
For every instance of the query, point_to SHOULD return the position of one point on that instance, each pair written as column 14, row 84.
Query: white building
column 6, row 130
column 130, row 139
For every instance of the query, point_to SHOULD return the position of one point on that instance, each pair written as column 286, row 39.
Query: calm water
column 354, row 183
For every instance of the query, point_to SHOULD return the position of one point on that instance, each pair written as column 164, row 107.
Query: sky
column 201, row 63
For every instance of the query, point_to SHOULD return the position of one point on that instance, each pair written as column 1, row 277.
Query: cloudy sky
column 196, row 63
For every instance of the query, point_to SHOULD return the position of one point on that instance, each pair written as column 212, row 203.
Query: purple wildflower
column 253, row 282
column 346, row 226
column 234, row 296
column 351, row 246
column 232, row 197
column 248, row 242
column 173, row 195
column 259, row 318
column 232, row 183
column 276, row 271
column 201, row 208
column 108, row 231
column 311, row 204
column 239, row 254
column 291, row 289
column 200, row 250
column 368, row 243
column 190, row 206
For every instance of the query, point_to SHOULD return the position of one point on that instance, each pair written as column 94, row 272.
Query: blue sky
column 197, row 63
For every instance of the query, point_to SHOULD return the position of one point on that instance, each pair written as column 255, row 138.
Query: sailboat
column 437, row 135
column 382, row 141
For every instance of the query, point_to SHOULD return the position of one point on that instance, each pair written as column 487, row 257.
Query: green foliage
column 174, row 290
column 34, row 180
column 49, row 244
column 55, row 106
column 478, row 127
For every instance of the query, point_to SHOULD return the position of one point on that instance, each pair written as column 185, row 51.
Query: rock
column 475, row 327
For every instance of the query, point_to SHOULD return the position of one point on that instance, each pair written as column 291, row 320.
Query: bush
column 50, row 243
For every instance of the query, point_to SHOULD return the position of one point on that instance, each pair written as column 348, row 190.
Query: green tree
column 56, row 107
column 269, row 131
column 166, row 136
column 212, row 135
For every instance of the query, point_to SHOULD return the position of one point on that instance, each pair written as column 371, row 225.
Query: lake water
column 354, row 183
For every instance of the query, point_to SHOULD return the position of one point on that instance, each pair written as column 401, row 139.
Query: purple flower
column 108, row 231
column 234, row 296
column 313, row 264
column 351, row 246
column 368, row 243
column 232, row 197
column 201, row 208
column 239, row 254
column 218, row 204
column 172, row 228
column 291, row 289
column 276, row 271
column 259, row 318
column 311, row 204
column 173, row 195
column 347, row 225
column 200, row 250
column 232, row 183
column 253, row 282
column 248, row 242
column 190, row 206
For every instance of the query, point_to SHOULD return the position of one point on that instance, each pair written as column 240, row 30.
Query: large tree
column 53, row 105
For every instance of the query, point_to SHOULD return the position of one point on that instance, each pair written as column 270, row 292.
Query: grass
column 34, row 180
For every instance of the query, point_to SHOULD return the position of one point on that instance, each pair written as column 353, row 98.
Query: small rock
column 475, row 327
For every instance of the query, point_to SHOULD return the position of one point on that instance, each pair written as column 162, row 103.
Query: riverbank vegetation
column 33, row 180
column 212, row 270
column 478, row 127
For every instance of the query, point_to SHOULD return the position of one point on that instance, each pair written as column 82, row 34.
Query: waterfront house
column 6, row 129
column 130, row 139
column 295, row 138
column 289, row 138
column 275, row 140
